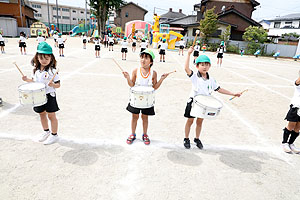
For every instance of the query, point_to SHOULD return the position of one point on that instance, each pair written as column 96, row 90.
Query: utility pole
column 85, row 14
column 48, row 13
column 57, row 14
column 21, row 15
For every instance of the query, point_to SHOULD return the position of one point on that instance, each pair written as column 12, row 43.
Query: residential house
column 170, row 15
column 285, row 24
column 129, row 12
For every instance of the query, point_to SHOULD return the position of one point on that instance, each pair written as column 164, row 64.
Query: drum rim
column 31, row 83
column 198, row 103
column 141, row 92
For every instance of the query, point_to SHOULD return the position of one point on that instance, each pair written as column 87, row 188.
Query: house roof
column 232, row 10
column 255, row 3
column 294, row 16
column 265, row 21
column 171, row 15
column 135, row 6
column 190, row 19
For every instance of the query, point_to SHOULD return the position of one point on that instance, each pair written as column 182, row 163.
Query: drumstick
column 171, row 72
column 18, row 69
column 54, row 76
column 197, row 32
column 241, row 93
column 118, row 65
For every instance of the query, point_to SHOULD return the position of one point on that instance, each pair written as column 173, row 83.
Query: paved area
column 242, row 156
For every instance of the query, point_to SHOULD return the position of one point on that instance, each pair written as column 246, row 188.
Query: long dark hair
column 37, row 65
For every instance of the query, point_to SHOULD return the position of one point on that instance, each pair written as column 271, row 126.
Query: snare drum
column 32, row 94
column 205, row 107
column 142, row 97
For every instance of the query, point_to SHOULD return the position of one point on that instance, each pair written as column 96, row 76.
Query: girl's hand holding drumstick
column 51, row 84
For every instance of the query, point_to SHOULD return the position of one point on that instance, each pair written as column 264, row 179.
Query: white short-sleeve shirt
column 55, row 36
column 124, row 44
column 202, row 86
column 296, row 98
column 97, row 42
column 197, row 48
column 111, row 39
column 143, row 45
column 60, row 40
column 163, row 46
column 1, row 38
column 40, row 39
column 45, row 77
column 22, row 39
column 181, row 43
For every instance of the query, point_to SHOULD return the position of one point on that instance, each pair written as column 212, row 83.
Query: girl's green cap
column 44, row 48
column 59, row 34
column 148, row 51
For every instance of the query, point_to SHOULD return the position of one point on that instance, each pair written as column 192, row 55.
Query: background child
column 124, row 48
column 44, row 69
column 97, row 46
column 2, row 43
column 291, row 131
column 162, row 50
column 196, row 50
column 143, row 76
column 181, row 46
column 84, row 40
column 220, row 52
column 111, row 42
column 22, row 42
column 55, row 37
column 133, row 43
column 202, row 84
column 143, row 45
column 61, row 44
column 40, row 38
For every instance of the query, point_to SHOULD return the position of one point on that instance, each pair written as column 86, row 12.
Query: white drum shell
column 32, row 94
column 200, row 110
column 142, row 97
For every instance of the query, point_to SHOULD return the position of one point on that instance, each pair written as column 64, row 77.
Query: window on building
column 59, row 17
column 277, row 24
column 74, row 11
column 88, row 12
column 81, row 12
column 37, row 15
column 288, row 24
column 4, row 1
column 66, row 17
column 36, row 6
column 54, row 8
column 65, row 9
column 74, row 18
column 126, row 14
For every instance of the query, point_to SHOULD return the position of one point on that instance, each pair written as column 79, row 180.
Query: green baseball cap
column 125, row 38
column 148, row 51
column 164, row 39
column 44, row 48
column 39, row 33
column 55, row 31
column 182, row 38
column 59, row 34
column 134, row 37
column 202, row 58
column 96, row 36
column 198, row 42
column 146, row 37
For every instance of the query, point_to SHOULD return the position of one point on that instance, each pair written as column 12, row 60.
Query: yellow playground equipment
column 162, row 31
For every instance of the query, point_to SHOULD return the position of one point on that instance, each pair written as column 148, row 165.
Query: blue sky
column 268, row 8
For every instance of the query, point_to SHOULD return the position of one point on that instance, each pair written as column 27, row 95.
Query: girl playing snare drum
column 44, row 70
column 202, row 84
column 143, row 76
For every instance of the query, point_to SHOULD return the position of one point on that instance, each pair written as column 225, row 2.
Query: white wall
column 281, row 30
column 9, row 26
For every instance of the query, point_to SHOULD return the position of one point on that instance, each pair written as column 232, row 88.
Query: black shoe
column 187, row 143
column 198, row 143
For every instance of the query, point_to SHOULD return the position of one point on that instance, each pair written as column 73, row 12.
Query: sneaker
column 198, row 143
column 43, row 136
column 51, row 139
column 294, row 148
column 146, row 139
column 187, row 143
column 286, row 148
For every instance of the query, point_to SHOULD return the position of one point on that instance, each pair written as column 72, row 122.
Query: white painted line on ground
column 258, row 84
column 6, row 112
column 263, row 72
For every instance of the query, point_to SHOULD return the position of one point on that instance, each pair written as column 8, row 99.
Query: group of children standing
column 202, row 82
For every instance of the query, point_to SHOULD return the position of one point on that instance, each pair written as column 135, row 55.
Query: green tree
column 208, row 25
column 225, row 36
column 288, row 36
column 101, row 9
column 255, row 36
